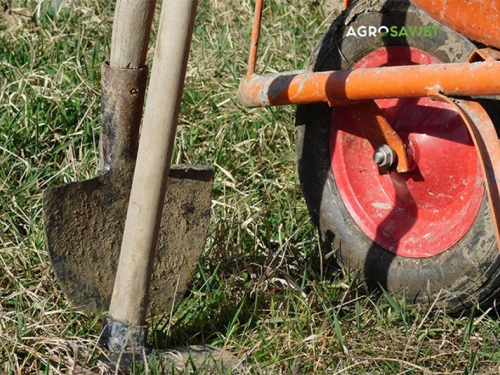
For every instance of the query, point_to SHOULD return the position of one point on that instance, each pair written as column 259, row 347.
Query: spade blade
column 84, row 224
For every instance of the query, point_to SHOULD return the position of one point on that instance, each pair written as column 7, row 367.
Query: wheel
column 427, row 233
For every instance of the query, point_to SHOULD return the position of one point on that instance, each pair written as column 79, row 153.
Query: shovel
column 125, row 328
column 84, row 221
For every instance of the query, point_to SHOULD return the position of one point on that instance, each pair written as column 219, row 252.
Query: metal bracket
column 120, row 337
column 377, row 130
column 484, row 54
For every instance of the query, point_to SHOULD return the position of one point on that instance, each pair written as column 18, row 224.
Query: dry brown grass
column 263, row 291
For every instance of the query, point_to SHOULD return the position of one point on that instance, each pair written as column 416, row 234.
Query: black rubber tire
column 466, row 273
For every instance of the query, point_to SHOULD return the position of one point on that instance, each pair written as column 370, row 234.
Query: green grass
column 262, row 291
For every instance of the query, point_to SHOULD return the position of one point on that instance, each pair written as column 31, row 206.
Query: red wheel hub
column 423, row 212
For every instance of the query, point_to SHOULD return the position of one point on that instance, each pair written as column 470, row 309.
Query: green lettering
column 394, row 31
column 427, row 31
column 403, row 31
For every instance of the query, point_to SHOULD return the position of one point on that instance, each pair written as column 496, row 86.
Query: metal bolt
column 384, row 156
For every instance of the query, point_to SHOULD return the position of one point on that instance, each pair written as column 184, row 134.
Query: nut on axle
column 384, row 156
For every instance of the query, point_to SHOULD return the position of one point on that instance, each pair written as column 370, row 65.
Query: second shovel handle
column 131, row 30
column 130, row 296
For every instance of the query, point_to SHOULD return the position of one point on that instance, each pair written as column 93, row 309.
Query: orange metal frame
column 478, row 20
column 473, row 78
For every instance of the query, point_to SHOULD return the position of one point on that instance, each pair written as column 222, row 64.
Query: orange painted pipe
column 464, row 79
column 254, row 44
column 478, row 20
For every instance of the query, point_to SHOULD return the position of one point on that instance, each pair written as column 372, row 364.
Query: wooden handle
column 131, row 289
column 131, row 30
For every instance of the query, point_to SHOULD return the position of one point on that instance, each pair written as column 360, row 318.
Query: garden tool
column 84, row 221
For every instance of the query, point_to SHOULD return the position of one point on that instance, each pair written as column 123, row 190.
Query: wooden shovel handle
column 131, row 30
column 130, row 297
